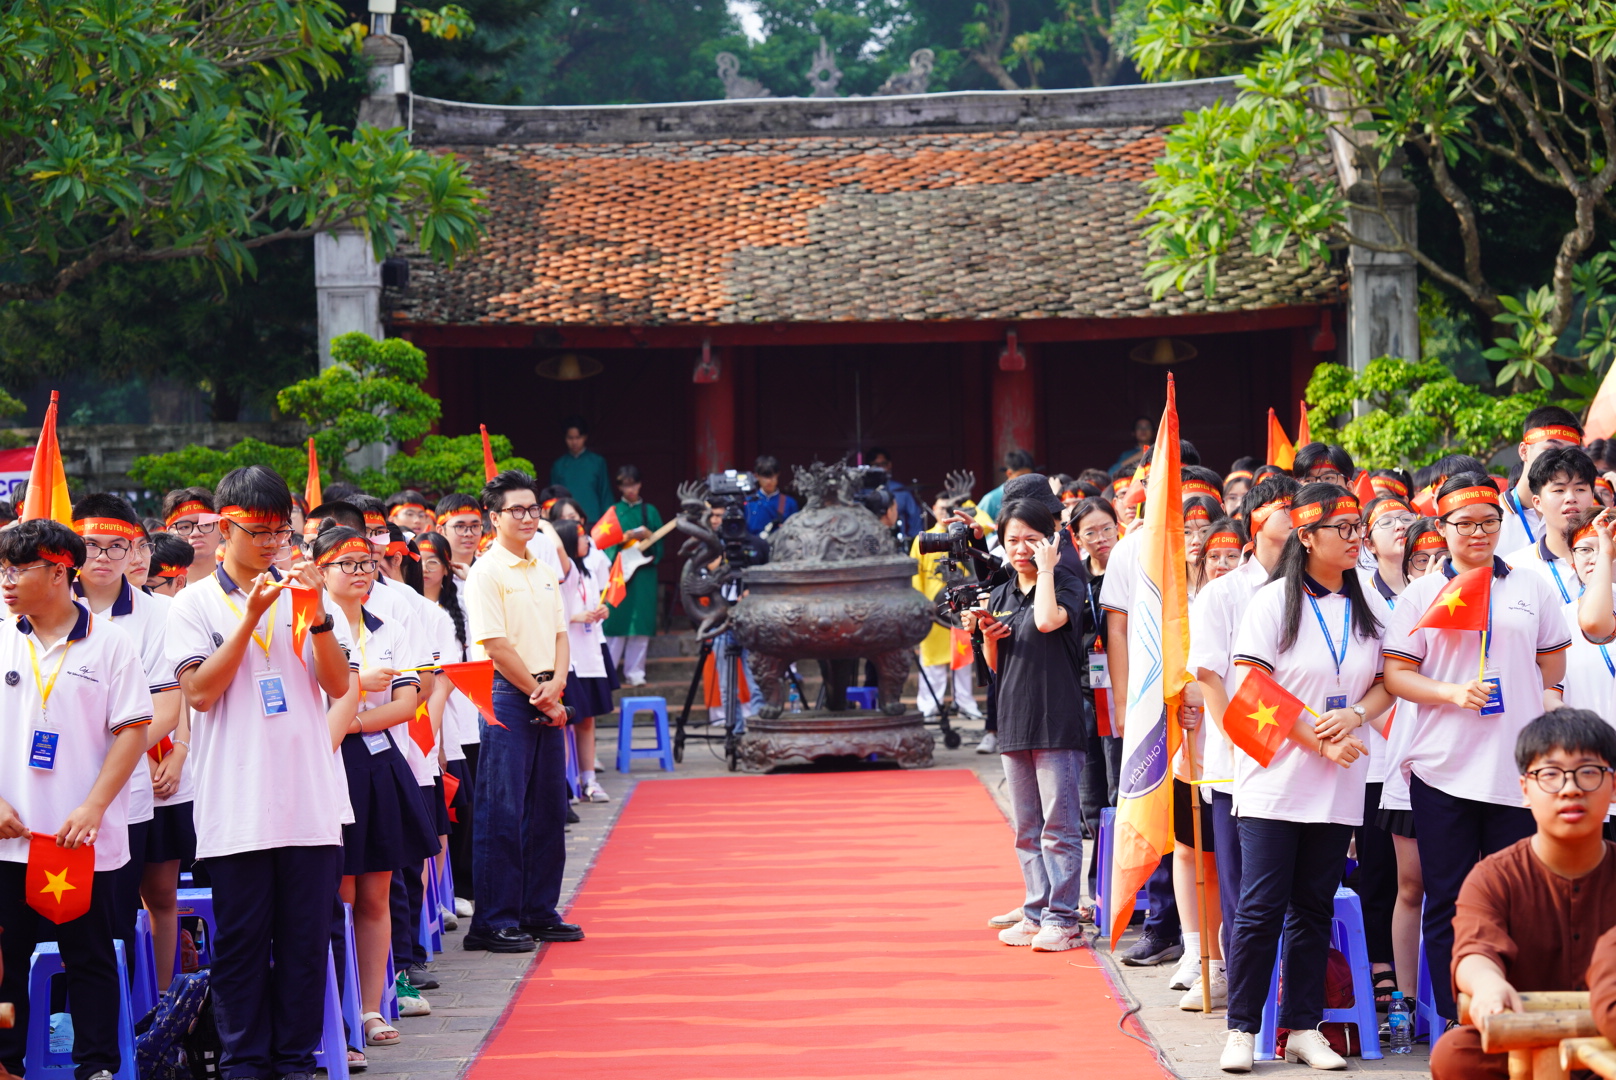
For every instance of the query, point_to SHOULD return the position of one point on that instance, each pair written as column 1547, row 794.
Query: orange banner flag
column 311, row 486
column 421, row 729
column 489, row 468
column 303, row 602
column 58, row 881
column 47, row 496
column 1260, row 717
column 617, row 584
column 475, row 679
column 1302, row 435
column 608, row 531
column 1280, row 450
column 959, row 649
column 1462, row 603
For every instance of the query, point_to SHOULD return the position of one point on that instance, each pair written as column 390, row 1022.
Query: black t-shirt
column 1040, row 696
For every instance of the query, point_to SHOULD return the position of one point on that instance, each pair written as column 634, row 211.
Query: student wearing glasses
column 189, row 514
column 269, row 801
column 1387, row 518
column 1321, row 463
column 1473, row 700
column 1591, row 661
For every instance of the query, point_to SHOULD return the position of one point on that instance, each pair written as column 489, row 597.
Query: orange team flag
column 47, row 480
column 475, row 679
column 303, row 601
column 421, row 728
column 959, row 649
column 489, row 468
column 1280, row 450
column 1260, row 716
column 608, row 531
column 616, row 585
column 58, row 881
column 1302, row 436
column 1158, row 628
column 1462, row 603
column 1364, row 488
column 311, row 486
column 451, row 784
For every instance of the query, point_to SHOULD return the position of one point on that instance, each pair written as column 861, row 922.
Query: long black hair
column 1292, row 566
column 569, row 531
column 449, row 591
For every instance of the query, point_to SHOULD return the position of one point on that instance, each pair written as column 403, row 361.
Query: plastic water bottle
column 794, row 702
column 1400, row 1018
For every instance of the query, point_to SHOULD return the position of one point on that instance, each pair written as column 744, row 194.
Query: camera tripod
column 729, row 676
column 945, row 711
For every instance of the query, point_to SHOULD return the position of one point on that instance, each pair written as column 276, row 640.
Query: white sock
column 586, row 777
column 1192, row 947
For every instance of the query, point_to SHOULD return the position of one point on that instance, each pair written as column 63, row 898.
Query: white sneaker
column 450, row 922
column 1020, row 934
column 1009, row 918
column 1310, row 1048
column 972, row 715
column 595, row 793
column 989, row 744
column 1238, row 1052
column 1057, row 939
column 413, row 1006
column 1184, row 976
column 464, row 907
column 1191, row 1001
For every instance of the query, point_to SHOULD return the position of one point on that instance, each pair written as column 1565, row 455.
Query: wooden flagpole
column 1200, row 866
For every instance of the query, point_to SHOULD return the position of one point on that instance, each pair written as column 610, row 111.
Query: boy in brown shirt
column 1529, row 916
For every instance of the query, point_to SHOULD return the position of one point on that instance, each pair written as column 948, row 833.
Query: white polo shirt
column 1523, row 525
column 1116, row 591
column 1459, row 751
column 145, row 619
column 262, row 781
column 1549, row 566
column 1590, row 679
column 1405, row 721
column 1300, row 785
column 377, row 645
column 580, row 591
column 1214, row 620
column 187, row 787
column 100, row 689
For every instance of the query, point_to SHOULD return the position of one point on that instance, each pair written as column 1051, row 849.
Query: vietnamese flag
column 1260, row 716
column 311, row 486
column 451, row 785
column 1280, row 450
column 489, row 468
column 475, row 679
column 421, row 729
column 617, row 584
column 1364, row 488
column 608, row 531
column 959, row 649
column 1302, row 435
column 47, row 496
column 1425, row 500
column 58, row 881
column 164, row 747
column 303, row 602
column 1462, row 603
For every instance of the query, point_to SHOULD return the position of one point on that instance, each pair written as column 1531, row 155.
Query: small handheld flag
column 608, row 531
column 1303, row 437
column 303, row 602
column 959, row 649
column 489, row 468
column 1462, row 603
column 475, row 679
column 451, row 785
column 311, row 486
column 1280, row 450
column 1260, row 717
column 59, row 880
column 1364, row 488
column 47, row 481
column 421, row 729
column 617, row 584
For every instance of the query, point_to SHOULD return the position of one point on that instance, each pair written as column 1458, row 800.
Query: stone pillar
column 1383, row 304
column 348, row 286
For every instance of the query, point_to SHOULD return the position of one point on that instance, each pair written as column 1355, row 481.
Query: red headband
column 1197, row 513
column 410, row 506
column 396, row 548
column 1199, row 487
column 1383, row 508
column 1120, row 484
column 1389, row 485
column 240, row 515
column 112, row 526
column 190, row 508
column 1260, row 516
column 1586, row 530
column 354, row 545
column 169, row 570
column 1431, row 541
column 1312, row 512
column 1238, row 474
column 374, row 520
column 1559, row 432
column 1219, row 540
column 60, row 558
column 1470, row 496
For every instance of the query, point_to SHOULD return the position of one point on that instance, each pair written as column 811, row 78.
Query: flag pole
column 1200, row 871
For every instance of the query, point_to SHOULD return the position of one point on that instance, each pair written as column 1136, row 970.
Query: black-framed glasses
column 117, row 551
column 268, row 537
column 468, row 528
column 1420, row 561
column 1346, row 530
column 350, row 568
column 523, row 513
column 1486, row 526
column 186, row 528
column 1553, row 779
column 1327, row 476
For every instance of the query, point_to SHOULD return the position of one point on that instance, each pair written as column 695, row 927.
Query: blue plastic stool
column 1102, row 853
column 350, row 984
column 626, row 752
column 143, row 980
column 570, row 749
column 446, row 893
column 198, row 904
column 332, row 1053
column 1427, row 1021
column 390, row 991
column 431, row 933
column 862, row 696
column 1347, row 934
column 40, row 1062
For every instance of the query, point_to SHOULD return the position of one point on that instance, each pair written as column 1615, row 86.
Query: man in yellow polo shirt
column 514, row 618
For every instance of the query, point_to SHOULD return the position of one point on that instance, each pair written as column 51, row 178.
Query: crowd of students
column 251, row 690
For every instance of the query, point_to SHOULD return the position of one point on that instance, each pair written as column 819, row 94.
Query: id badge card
column 376, row 742
column 1335, row 701
column 1099, row 672
column 271, row 693
column 42, row 753
column 1495, row 694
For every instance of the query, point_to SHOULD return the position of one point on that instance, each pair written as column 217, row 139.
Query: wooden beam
column 1532, row 1030
column 1595, row 1053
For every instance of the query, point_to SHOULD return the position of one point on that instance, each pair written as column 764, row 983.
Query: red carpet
column 826, row 925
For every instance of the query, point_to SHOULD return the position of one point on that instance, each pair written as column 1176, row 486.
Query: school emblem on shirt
column 12, row 678
column 218, row 640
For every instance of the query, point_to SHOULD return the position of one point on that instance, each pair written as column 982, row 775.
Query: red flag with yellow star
column 475, row 679
column 959, row 649
column 59, row 879
column 1260, row 716
column 303, row 601
column 451, row 784
column 616, row 584
column 421, row 729
column 608, row 531
column 1462, row 603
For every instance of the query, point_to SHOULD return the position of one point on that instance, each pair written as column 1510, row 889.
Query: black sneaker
column 1150, row 950
column 422, row 979
column 572, row 816
column 561, row 931
column 507, row 939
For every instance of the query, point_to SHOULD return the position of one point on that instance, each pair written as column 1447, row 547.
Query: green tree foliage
column 158, row 129
column 1413, row 413
column 445, row 463
column 1466, row 91
column 198, row 466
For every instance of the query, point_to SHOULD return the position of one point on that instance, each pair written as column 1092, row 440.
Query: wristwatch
column 325, row 627
column 1359, row 709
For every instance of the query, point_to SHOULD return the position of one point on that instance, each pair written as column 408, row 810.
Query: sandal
column 1085, row 915
column 356, row 1061
column 1384, row 983
column 386, row 1035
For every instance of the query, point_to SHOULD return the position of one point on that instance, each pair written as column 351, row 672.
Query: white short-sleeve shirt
column 1590, row 678
column 262, row 781
column 580, row 591
column 100, row 689
column 187, row 786
column 1299, row 785
column 1116, row 591
column 1520, row 529
column 1549, row 566
column 1459, row 751
column 379, row 644
column 1214, row 621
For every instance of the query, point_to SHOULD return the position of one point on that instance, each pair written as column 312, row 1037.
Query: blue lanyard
column 1555, row 570
column 1515, row 504
column 1346, row 617
column 1610, row 665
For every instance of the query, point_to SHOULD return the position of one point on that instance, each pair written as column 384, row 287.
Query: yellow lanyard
column 269, row 631
column 45, row 688
column 360, row 639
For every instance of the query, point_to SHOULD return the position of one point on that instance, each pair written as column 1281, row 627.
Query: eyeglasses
column 351, row 568
column 186, row 528
column 1104, row 532
column 1420, row 562
column 1553, row 780
column 1327, row 476
column 1583, row 551
column 268, row 538
column 10, row 574
column 117, row 551
column 1390, row 522
column 1485, row 527
column 1347, row 530
column 468, row 528
column 522, row 513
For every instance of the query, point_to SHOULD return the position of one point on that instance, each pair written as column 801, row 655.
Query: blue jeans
column 1048, row 819
column 1288, row 876
column 522, row 817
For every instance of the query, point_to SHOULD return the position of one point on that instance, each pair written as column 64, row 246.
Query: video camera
column 729, row 490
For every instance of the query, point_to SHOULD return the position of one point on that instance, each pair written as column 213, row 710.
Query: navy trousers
column 1226, row 838
column 1162, row 922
